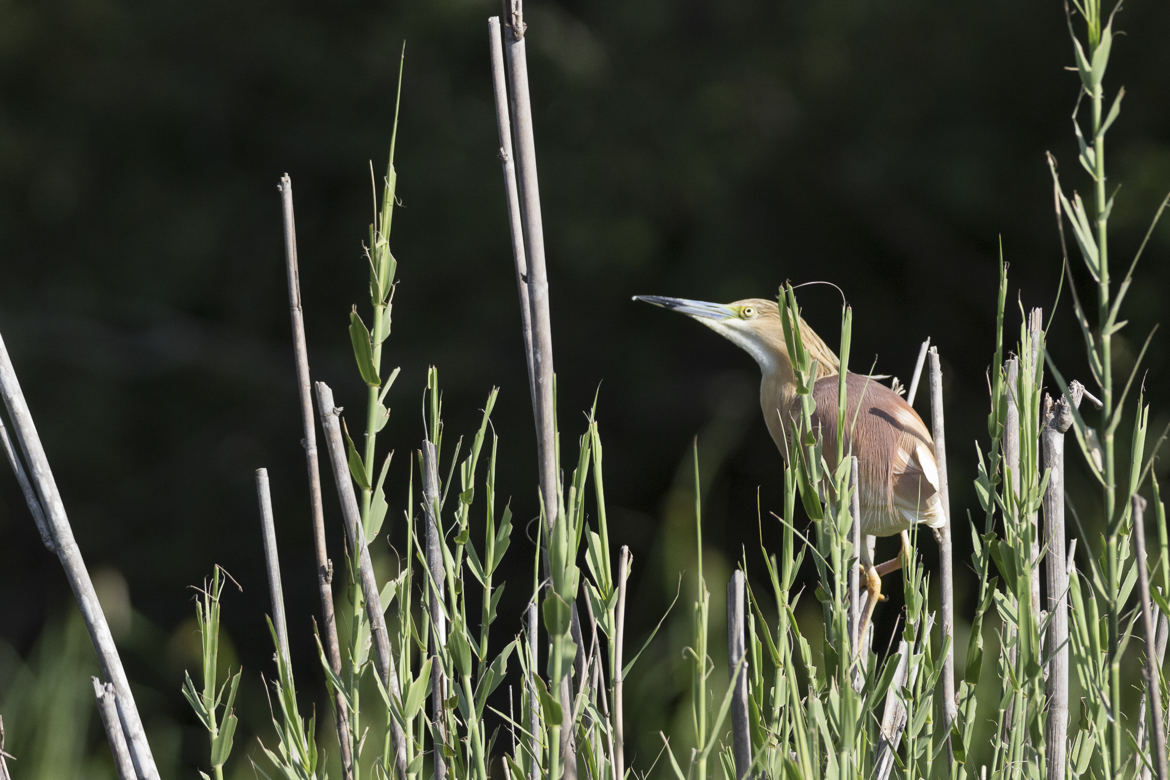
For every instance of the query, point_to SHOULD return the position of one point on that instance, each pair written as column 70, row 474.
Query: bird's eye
column 747, row 313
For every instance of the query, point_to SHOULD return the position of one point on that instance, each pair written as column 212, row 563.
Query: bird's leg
column 902, row 558
column 873, row 585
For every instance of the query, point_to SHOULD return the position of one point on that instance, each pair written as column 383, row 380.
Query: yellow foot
column 873, row 588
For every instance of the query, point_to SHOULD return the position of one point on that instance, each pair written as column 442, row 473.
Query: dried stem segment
column 917, row 375
column 1011, row 457
column 511, row 191
column 107, row 701
column 272, row 563
column 530, row 268
column 619, row 725
column 946, row 562
column 1158, row 730
column 1035, row 339
column 26, row 488
column 534, row 274
column 309, row 429
column 436, row 582
column 894, row 713
column 57, row 523
column 1058, row 419
column 384, row 658
column 737, row 664
column 3, row 756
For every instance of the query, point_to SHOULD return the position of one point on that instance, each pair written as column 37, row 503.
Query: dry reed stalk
column 107, row 701
column 946, row 562
column 384, row 658
column 4, row 775
column 1057, row 420
column 63, row 543
column 272, row 564
column 309, row 443
column 619, row 723
column 1035, row 337
column 534, row 293
column 1153, row 690
column 435, row 596
column 737, row 665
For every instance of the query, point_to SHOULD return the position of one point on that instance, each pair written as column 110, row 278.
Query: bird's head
column 753, row 324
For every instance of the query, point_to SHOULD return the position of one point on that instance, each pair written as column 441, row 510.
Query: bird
column 898, row 477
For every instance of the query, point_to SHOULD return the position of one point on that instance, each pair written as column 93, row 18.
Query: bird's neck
column 779, row 400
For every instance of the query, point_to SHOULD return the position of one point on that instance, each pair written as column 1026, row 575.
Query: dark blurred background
column 693, row 149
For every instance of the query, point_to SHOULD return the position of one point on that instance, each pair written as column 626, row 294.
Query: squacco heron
column 897, row 471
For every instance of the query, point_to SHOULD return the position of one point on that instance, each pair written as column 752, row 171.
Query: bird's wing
column 915, row 483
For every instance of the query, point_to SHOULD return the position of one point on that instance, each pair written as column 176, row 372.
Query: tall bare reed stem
column 946, row 562
column 107, row 701
column 312, row 466
column 1057, row 420
column 383, row 656
column 1153, row 687
column 737, row 665
column 53, row 508
column 272, row 564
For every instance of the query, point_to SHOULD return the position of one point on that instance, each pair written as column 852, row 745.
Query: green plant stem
column 701, row 605
column 1114, row 524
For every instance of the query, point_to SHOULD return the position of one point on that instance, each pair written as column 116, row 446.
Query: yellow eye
column 747, row 313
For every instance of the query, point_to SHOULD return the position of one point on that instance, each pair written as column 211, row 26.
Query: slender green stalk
column 702, row 603
column 208, row 701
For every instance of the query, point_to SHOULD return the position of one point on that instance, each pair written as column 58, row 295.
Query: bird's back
column 896, row 464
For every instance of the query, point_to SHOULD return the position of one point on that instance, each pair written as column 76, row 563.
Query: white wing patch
column 927, row 464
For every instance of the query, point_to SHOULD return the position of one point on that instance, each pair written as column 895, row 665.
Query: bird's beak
column 700, row 310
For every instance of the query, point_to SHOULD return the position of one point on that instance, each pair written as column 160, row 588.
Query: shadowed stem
column 1057, row 420
column 435, row 595
column 736, row 628
column 534, row 294
column 309, row 442
column 384, row 658
column 57, row 522
column 272, row 564
column 107, row 701
column 1158, row 732
column 946, row 562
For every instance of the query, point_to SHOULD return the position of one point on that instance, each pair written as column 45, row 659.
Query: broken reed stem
column 619, row 725
column 535, row 293
column 1011, row 457
column 49, row 498
column 1035, row 337
column 893, row 715
column 1057, row 420
column 1143, row 739
column 1158, row 730
column 26, row 489
column 946, row 562
column 435, row 597
column 736, row 629
column 335, row 449
column 536, row 278
column 309, row 442
column 272, row 564
column 107, row 701
column 3, row 756
column 511, row 191
column 918, row 364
